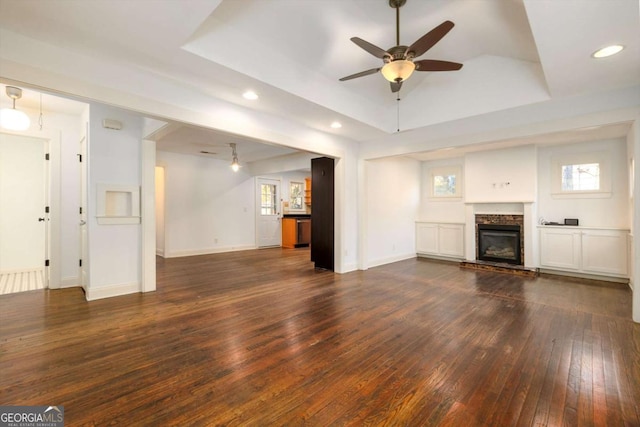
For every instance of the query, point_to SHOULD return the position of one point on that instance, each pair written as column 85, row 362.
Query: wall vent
column 111, row 124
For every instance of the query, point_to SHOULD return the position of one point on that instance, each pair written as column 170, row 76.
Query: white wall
column 443, row 209
column 501, row 176
column 610, row 211
column 392, row 189
column 208, row 207
column 114, row 158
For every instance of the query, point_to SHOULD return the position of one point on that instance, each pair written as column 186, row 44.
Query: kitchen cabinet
column 440, row 239
column 307, row 191
column 588, row 250
column 296, row 232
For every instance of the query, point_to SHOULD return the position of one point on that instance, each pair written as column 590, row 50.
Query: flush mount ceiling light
column 607, row 51
column 235, row 165
column 13, row 119
column 336, row 125
column 250, row 95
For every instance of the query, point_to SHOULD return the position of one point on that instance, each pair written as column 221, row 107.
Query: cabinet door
column 560, row 248
column 604, row 251
column 289, row 236
column 451, row 239
column 427, row 238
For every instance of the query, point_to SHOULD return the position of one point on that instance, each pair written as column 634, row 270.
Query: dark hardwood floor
column 260, row 338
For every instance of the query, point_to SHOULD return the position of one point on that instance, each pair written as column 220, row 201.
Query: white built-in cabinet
column 601, row 251
column 440, row 239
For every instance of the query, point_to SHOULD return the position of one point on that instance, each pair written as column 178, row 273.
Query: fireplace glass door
column 499, row 243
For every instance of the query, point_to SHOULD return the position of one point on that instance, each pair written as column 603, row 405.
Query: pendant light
column 13, row 119
column 235, row 165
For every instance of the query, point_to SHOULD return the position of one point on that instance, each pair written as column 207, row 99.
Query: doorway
column 268, row 222
column 24, row 217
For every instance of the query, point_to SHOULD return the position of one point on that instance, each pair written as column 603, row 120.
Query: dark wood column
column 322, row 215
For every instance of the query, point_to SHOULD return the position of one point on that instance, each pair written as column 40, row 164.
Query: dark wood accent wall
column 322, row 215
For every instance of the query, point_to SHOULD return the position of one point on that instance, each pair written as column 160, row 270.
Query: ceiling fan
column 399, row 61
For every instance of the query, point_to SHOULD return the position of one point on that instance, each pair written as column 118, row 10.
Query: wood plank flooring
column 261, row 338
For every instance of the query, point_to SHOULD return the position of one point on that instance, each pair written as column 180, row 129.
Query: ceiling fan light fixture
column 398, row 70
column 13, row 119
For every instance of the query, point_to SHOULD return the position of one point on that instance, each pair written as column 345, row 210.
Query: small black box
column 571, row 221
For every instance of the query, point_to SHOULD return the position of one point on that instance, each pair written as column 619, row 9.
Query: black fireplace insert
column 499, row 243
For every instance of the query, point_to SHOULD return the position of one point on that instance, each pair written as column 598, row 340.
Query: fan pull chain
column 398, row 110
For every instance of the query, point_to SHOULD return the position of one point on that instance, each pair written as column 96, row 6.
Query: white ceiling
column 37, row 99
column 292, row 52
column 184, row 139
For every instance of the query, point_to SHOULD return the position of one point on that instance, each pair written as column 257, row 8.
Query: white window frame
column 446, row 170
column 600, row 157
column 302, row 186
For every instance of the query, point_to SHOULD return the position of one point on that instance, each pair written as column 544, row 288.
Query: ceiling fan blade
column 371, row 48
column 427, row 41
column 435, row 65
column 361, row 74
column 395, row 86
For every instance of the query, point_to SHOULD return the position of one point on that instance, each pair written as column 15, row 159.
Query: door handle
column 40, row 219
column 83, row 222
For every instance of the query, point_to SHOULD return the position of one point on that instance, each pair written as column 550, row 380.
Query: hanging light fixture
column 13, row 119
column 235, row 165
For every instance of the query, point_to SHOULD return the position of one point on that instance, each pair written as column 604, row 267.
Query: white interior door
column 23, row 198
column 269, row 226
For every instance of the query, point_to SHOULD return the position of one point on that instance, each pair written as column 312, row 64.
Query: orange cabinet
column 296, row 232
column 289, row 233
column 307, row 191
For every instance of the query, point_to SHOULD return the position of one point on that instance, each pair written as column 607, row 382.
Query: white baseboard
column 193, row 252
column 389, row 260
column 70, row 282
column 585, row 276
column 109, row 291
column 346, row 268
column 441, row 258
column 160, row 252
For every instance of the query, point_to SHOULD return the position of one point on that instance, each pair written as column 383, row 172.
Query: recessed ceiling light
column 251, row 95
column 336, row 125
column 607, row 51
